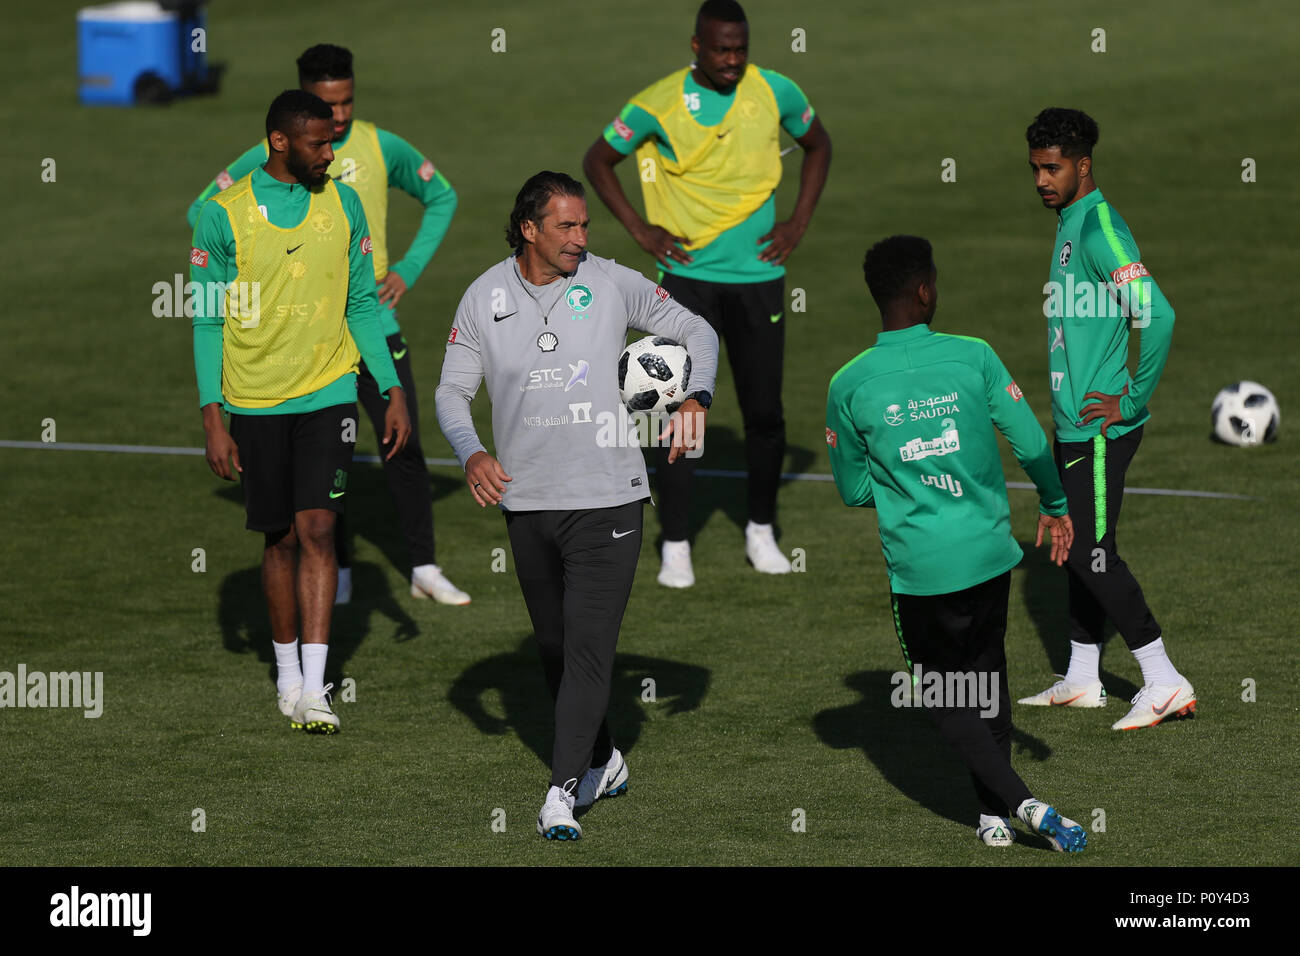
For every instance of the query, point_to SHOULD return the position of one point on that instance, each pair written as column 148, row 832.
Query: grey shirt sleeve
column 462, row 372
column 653, row 310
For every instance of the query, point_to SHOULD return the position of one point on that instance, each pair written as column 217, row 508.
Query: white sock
column 1085, row 659
column 287, row 671
column 991, row 821
column 1156, row 666
column 676, row 547
column 429, row 568
column 754, row 528
column 313, row 667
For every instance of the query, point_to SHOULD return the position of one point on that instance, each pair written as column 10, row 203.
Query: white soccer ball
column 1245, row 413
column 653, row 375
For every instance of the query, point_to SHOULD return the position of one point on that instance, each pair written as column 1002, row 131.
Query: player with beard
column 287, row 251
column 371, row 160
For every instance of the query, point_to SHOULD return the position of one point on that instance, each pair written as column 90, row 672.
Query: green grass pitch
column 771, row 695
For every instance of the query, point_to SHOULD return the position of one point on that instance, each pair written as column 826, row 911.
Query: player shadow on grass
column 372, row 515
column 904, row 745
column 1045, row 591
column 245, row 627
column 515, row 679
column 724, row 450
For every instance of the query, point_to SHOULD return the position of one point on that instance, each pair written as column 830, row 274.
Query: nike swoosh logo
column 1061, row 703
column 623, row 534
column 777, row 318
column 498, row 318
column 1160, row 710
column 398, row 355
column 720, row 135
column 1071, row 464
column 289, row 252
column 337, row 494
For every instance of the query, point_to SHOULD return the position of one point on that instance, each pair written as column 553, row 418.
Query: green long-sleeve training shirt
column 407, row 168
column 909, row 424
column 286, row 205
column 1097, row 268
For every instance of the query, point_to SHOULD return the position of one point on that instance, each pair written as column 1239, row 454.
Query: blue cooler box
column 125, row 47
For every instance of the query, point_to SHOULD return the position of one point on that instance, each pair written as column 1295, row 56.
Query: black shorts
column 294, row 463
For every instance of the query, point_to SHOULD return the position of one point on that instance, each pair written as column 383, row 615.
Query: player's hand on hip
column 1061, row 531
column 785, row 236
column 392, row 289
column 221, row 451
column 663, row 245
column 1105, row 407
column 686, row 426
column 397, row 422
column 486, row 479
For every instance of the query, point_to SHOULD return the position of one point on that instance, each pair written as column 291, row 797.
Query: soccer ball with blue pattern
column 1245, row 413
column 653, row 375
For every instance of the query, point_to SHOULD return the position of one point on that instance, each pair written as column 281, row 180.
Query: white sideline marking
column 453, row 463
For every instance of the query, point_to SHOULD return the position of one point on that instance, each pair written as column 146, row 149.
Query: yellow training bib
column 285, row 334
column 722, row 173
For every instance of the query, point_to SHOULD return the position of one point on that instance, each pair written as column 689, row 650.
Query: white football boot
column 995, row 831
column 555, row 822
column 1063, row 694
column 1157, row 702
column 1064, row 834
column 607, row 781
column 761, row 549
column 312, row 713
column 288, row 700
column 428, row 581
column 676, row 570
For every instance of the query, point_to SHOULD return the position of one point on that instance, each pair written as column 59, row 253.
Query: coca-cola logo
column 365, row 246
column 1134, row 270
column 198, row 257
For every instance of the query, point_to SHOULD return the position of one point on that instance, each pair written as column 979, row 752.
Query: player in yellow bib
column 287, row 313
column 708, row 156
column 371, row 160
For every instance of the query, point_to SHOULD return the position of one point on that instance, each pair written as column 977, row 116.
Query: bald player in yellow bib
column 708, row 153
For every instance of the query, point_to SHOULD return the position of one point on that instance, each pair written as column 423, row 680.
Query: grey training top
column 550, row 356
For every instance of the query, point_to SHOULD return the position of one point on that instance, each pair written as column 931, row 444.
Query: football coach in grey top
column 545, row 329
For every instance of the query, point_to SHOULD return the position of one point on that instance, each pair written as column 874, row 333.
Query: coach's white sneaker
column 607, row 781
column 428, row 581
column 288, row 700
column 1155, row 702
column 1064, row 834
column 676, row 570
column 1064, row 694
column 312, row 713
column 761, row 549
column 995, row 831
column 344, row 593
column 556, row 822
